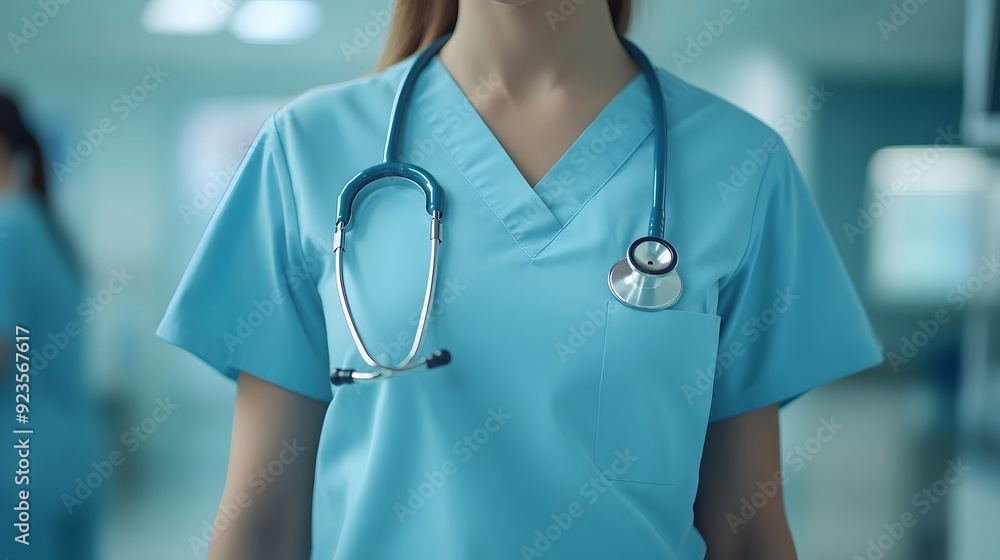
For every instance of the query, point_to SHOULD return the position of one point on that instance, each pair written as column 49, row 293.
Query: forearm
column 266, row 507
column 776, row 545
column 247, row 531
column 741, row 453
column 235, row 538
column 764, row 538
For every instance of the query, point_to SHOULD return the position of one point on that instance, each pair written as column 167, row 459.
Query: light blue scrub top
column 567, row 425
column 40, row 292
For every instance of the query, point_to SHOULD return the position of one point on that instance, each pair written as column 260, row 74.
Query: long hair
column 22, row 140
column 418, row 23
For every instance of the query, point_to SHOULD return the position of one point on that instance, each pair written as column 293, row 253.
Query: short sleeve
column 247, row 300
column 791, row 319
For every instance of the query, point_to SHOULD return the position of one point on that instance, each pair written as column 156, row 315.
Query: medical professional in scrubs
column 567, row 425
column 40, row 291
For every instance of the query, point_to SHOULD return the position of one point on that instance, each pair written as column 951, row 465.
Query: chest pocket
column 652, row 409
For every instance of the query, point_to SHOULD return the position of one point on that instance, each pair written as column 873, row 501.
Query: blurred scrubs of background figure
column 40, row 291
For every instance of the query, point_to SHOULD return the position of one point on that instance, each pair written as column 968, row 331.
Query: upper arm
column 742, row 458
column 272, row 424
column 272, row 461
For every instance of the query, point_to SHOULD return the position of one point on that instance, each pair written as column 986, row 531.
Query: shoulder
column 706, row 117
column 729, row 164
column 353, row 102
column 739, row 155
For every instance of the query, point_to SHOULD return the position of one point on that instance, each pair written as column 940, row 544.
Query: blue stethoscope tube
column 657, row 214
column 645, row 279
column 391, row 165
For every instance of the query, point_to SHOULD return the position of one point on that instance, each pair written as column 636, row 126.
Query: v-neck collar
column 533, row 216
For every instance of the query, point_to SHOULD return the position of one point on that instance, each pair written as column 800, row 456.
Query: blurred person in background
column 40, row 290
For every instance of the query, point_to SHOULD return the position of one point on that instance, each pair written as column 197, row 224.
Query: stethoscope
column 645, row 279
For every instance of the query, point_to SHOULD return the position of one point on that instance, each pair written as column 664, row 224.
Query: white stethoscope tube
column 383, row 371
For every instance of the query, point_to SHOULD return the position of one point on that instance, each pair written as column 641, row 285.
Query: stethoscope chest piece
column 647, row 278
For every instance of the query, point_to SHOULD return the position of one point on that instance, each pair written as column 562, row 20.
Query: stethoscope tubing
column 657, row 213
column 393, row 167
column 408, row 362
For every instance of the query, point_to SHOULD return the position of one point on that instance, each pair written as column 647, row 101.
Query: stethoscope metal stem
column 392, row 167
column 408, row 362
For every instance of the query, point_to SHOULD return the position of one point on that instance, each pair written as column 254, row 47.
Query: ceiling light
column 276, row 21
column 185, row 17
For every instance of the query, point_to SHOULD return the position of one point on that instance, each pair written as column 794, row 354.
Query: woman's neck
column 536, row 47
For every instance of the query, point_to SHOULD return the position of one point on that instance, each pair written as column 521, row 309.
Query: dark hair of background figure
column 21, row 139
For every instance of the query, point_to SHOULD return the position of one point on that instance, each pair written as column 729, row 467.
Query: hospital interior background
column 887, row 105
